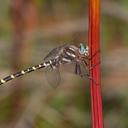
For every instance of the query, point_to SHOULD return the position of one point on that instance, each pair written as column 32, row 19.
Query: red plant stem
column 94, row 46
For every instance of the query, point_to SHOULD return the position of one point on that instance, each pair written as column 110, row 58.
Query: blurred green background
column 29, row 29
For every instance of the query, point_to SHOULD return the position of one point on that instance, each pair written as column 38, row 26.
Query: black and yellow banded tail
column 23, row 72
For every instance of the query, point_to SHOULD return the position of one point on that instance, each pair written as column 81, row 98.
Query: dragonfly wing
column 52, row 54
column 83, row 71
column 53, row 76
column 79, row 68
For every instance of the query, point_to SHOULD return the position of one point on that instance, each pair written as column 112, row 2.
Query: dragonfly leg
column 85, row 63
column 89, row 77
column 94, row 66
column 90, row 58
column 80, row 72
column 76, row 68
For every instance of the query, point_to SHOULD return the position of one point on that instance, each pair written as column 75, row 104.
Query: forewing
column 52, row 54
column 83, row 69
column 85, row 72
column 78, row 68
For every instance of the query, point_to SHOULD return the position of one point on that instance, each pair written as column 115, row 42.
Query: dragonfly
column 61, row 55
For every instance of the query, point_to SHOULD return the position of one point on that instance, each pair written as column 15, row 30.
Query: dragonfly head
column 83, row 49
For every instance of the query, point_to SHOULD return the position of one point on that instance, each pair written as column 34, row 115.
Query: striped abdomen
column 23, row 72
